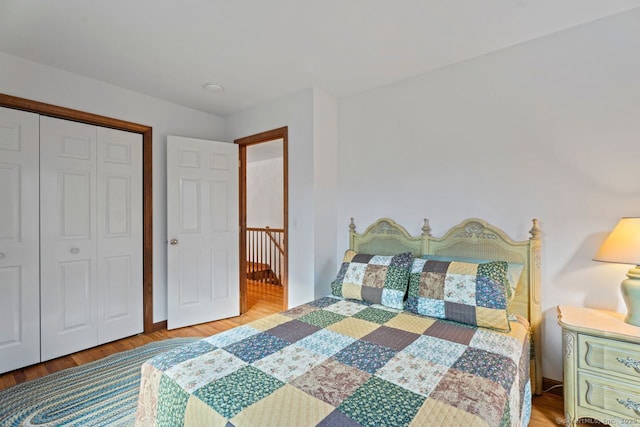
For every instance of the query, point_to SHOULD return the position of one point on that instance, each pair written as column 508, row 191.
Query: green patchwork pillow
column 378, row 279
column 465, row 292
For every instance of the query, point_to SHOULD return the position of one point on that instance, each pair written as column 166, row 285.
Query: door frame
column 267, row 136
column 50, row 110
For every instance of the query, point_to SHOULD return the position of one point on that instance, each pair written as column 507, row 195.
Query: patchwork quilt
column 339, row 362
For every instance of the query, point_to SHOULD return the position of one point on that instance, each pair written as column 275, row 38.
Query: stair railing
column 265, row 252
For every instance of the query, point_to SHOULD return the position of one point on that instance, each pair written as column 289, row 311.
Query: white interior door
column 19, row 240
column 119, row 234
column 203, row 231
column 68, row 258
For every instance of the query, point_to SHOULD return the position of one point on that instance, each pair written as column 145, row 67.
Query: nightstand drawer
column 608, row 356
column 615, row 398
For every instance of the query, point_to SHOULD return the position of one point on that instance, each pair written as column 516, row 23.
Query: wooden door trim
column 50, row 110
column 270, row 135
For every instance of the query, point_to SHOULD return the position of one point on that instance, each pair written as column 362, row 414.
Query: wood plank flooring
column 262, row 300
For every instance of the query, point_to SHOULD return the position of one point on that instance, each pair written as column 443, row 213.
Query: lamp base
column 631, row 292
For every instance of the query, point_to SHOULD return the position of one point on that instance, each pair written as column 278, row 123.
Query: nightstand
column 601, row 359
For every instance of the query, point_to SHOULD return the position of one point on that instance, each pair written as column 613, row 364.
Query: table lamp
column 622, row 246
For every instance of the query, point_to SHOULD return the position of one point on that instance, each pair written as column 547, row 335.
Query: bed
column 458, row 345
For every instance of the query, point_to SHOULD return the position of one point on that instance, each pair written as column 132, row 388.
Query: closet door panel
column 68, row 262
column 119, row 219
column 10, row 209
column 74, row 292
column 19, row 240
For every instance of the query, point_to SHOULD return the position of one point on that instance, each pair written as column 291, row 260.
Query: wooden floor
column 262, row 300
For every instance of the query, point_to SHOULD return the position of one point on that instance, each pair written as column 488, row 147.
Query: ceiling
column 260, row 50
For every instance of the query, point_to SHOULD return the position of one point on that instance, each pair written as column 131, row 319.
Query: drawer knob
column 630, row 404
column 630, row 363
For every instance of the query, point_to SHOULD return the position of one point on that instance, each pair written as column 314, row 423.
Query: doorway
column 263, row 199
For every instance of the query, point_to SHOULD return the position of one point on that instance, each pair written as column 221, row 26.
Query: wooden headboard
column 473, row 238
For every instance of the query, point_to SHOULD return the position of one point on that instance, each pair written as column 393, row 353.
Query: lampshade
column 622, row 246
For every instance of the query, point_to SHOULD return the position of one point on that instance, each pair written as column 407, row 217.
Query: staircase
column 265, row 252
column 262, row 273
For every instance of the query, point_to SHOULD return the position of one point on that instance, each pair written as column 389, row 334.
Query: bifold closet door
column 68, row 169
column 19, row 240
column 91, row 236
column 119, row 230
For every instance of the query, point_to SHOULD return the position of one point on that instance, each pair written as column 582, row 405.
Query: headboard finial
column 352, row 226
column 535, row 230
column 426, row 229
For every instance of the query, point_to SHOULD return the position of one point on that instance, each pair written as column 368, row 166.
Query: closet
column 70, row 237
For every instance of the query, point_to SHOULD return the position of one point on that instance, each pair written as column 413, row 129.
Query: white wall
column 309, row 251
column 325, row 164
column 34, row 81
column 264, row 193
column 548, row 129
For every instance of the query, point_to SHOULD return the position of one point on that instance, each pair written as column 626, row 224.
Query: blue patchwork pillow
column 514, row 270
column 465, row 292
column 378, row 279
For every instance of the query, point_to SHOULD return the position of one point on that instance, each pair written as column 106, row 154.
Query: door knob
column 173, row 242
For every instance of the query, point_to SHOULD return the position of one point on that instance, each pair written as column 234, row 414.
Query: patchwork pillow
column 378, row 279
column 514, row 270
column 465, row 292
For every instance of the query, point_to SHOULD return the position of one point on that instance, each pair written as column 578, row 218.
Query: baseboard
column 552, row 386
column 163, row 325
